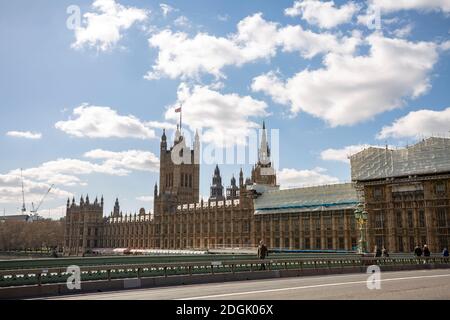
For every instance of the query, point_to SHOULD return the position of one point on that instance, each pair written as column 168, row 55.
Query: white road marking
column 305, row 287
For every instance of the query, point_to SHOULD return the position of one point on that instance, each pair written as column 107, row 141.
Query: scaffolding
column 320, row 198
column 426, row 157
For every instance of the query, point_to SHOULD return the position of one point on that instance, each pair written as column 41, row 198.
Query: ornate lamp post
column 361, row 219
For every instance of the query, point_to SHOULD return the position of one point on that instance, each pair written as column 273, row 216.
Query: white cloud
column 131, row 159
column 104, row 27
column 182, row 21
column 161, row 125
column 323, row 14
column 222, row 117
column 166, row 9
column 145, row 198
column 223, row 17
column 422, row 5
column 404, row 31
column 11, row 189
column 418, row 124
column 103, row 122
column 67, row 172
column 183, row 57
column 25, row 134
column 350, row 89
column 288, row 178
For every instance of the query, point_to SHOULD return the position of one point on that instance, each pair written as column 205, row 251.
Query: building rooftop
column 428, row 156
column 15, row 217
column 321, row 198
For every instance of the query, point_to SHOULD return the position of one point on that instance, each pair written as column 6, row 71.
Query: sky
column 86, row 88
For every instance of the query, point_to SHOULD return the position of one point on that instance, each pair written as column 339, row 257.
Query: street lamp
column 361, row 219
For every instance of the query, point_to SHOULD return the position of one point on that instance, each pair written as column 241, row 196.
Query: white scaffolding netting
column 320, row 198
column 428, row 156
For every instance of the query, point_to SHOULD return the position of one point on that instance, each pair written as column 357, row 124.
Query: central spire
column 264, row 152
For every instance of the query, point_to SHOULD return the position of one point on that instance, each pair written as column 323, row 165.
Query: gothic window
column 327, row 222
column 330, row 243
column 317, row 223
column 190, row 180
column 246, row 226
column 440, row 188
column 277, row 226
column 421, row 219
column 354, row 244
column 442, row 217
column 410, row 219
column 411, row 244
column 400, row 244
column 306, row 224
column 318, row 244
column 341, row 243
column 307, row 243
column 379, row 220
column 379, row 241
column 182, row 180
column 377, row 193
column 399, row 219
column 352, row 222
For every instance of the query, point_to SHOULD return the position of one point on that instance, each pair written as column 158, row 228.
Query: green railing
column 41, row 276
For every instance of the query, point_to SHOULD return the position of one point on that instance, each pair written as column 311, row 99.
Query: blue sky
column 315, row 70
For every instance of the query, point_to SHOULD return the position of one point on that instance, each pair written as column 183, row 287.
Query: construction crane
column 34, row 210
column 24, row 209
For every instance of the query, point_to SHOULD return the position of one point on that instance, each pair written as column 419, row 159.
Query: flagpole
column 181, row 117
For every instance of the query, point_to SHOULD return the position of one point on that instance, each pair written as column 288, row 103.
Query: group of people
column 378, row 253
column 381, row 252
column 418, row 252
column 425, row 251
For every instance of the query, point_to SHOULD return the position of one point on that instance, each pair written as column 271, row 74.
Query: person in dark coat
column 418, row 251
column 377, row 252
column 426, row 251
column 262, row 253
column 385, row 253
column 445, row 253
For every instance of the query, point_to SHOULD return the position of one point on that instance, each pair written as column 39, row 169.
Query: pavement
column 419, row 284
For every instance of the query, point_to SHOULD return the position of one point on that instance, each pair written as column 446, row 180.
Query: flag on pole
column 178, row 110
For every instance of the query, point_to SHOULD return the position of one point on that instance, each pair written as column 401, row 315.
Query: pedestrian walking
column 426, row 251
column 445, row 253
column 377, row 252
column 417, row 251
column 262, row 254
column 385, row 253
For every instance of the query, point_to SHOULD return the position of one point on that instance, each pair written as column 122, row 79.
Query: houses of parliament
column 405, row 192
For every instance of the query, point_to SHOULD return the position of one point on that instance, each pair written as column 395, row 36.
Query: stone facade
column 403, row 211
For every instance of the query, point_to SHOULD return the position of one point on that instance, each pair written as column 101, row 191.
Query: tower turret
column 116, row 212
column 241, row 178
column 263, row 173
column 164, row 140
column 216, row 187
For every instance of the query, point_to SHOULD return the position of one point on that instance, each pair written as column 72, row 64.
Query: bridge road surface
column 418, row 284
